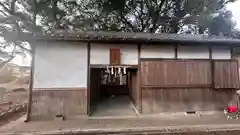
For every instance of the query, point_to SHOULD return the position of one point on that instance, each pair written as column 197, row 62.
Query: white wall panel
column 60, row 64
column 221, row 52
column 100, row 53
column 193, row 52
column 157, row 51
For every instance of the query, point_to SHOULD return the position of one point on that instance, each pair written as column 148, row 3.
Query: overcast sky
column 235, row 8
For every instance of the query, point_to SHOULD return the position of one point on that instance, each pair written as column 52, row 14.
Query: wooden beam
column 231, row 51
column 104, row 66
column 171, row 59
column 238, row 74
column 88, row 79
column 176, row 52
column 115, row 56
column 31, row 81
column 212, row 65
column 177, row 86
column 210, row 52
column 59, row 89
column 139, row 95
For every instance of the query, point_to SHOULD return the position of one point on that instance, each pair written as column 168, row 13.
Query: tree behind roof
column 153, row 16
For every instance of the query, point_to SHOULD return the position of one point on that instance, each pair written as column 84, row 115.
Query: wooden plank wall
column 180, row 86
column 226, row 74
column 49, row 102
column 172, row 73
column 158, row 100
column 115, row 56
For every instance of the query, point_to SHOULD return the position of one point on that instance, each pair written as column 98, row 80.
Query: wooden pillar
column 31, row 81
column 88, row 80
column 139, row 90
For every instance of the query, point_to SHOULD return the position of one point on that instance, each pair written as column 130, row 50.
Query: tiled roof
column 135, row 37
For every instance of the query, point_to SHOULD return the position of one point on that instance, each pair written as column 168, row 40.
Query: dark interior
column 103, row 91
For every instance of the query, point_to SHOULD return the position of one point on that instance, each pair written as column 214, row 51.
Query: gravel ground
column 146, row 125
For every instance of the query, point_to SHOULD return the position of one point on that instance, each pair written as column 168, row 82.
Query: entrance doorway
column 111, row 92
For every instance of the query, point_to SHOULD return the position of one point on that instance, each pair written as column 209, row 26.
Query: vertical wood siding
column 47, row 103
column 115, row 56
column 158, row 100
column 226, row 74
column 172, row 73
column 186, row 85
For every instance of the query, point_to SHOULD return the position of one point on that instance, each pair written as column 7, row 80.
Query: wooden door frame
column 89, row 113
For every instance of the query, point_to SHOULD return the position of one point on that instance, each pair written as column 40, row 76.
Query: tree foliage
column 18, row 17
column 116, row 15
column 163, row 16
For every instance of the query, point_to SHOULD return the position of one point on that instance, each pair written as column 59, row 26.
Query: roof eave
column 143, row 41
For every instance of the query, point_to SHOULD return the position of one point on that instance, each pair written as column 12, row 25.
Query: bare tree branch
column 141, row 16
column 5, row 8
column 149, row 14
column 25, row 49
column 157, row 15
column 14, row 49
column 5, row 14
column 13, row 6
column 3, row 63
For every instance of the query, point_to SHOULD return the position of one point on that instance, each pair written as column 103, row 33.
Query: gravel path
column 176, row 124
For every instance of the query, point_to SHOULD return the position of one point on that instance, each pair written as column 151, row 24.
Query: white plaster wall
column 193, row 52
column 100, row 53
column 157, row 51
column 221, row 52
column 60, row 65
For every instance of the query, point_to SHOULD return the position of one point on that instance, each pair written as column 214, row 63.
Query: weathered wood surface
column 185, row 99
column 187, row 85
column 115, row 56
column 172, row 73
column 226, row 74
column 47, row 103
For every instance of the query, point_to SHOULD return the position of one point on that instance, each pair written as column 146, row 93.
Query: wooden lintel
column 177, row 86
column 104, row 66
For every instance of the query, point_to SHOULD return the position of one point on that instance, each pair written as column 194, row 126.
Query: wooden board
column 226, row 74
column 161, row 100
column 115, row 56
column 49, row 102
column 176, row 73
column 186, row 85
